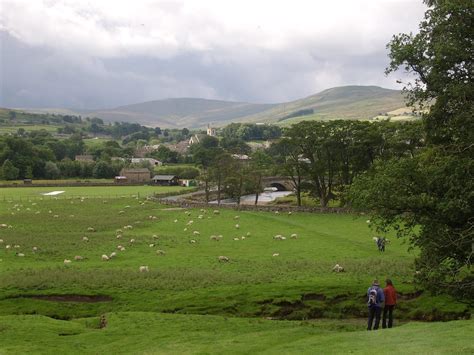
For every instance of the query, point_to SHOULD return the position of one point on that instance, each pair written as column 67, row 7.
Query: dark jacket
column 380, row 296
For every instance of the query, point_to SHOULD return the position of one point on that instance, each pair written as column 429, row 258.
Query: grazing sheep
column 1, row 241
column 118, row 231
column 56, row 216
column 338, row 268
column 185, row 229
column 8, row 246
column 20, row 254
column 202, row 210
column 196, row 233
column 294, row 236
column 154, row 236
column 290, row 213
column 200, row 216
column 248, row 234
column 78, row 258
column 277, row 212
column 215, row 237
column 368, row 221
column 105, row 257
column 119, row 247
column 118, row 236
column 90, row 229
column 151, row 245
column 237, row 226
column 189, row 223
column 35, row 249
column 122, row 249
column 85, row 239
column 242, row 237
column 192, row 241
column 175, row 221
column 276, row 254
column 132, row 241
column 128, row 227
column 216, row 211
column 16, row 246
column 223, row 258
column 279, row 237
column 144, row 269
column 67, row 261
column 160, row 252
column 112, row 255
column 236, row 238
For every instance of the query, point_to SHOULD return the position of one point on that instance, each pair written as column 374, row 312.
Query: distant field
column 95, row 142
column 28, row 128
column 105, row 191
column 56, row 182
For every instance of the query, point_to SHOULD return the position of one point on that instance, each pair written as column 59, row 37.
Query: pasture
column 273, row 295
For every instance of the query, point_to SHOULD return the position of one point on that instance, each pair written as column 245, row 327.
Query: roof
column 164, row 177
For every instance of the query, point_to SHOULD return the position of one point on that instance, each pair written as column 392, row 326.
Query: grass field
column 86, row 191
column 190, row 302
column 28, row 128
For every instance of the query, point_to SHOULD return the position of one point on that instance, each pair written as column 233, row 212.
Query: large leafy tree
column 429, row 196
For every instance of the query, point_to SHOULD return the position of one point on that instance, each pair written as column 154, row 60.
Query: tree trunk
column 257, row 191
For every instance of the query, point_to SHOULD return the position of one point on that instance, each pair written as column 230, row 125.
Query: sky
column 89, row 54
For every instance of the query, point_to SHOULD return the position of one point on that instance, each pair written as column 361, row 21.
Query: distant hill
column 346, row 102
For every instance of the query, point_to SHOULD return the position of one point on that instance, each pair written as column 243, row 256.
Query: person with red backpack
column 390, row 301
column 376, row 298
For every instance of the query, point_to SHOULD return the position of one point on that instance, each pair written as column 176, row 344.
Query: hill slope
column 182, row 112
column 346, row 102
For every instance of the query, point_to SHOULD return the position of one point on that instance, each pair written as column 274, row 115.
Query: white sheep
column 200, row 216
column 192, row 241
column 248, row 234
column 160, row 252
column 237, row 226
column 175, row 221
column 144, row 269
column 190, row 222
column 78, row 258
column 16, row 246
column 119, row 247
column 279, row 237
column 67, row 261
column 154, row 236
column 118, row 231
column 276, row 254
column 118, row 236
column 294, row 236
column 20, row 254
column 132, row 241
column 214, row 237
column 105, row 257
column 223, row 258
column 242, row 237
column 338, row 268
column 185, row 229
column 1, row 241
column 122, row 249
column 196, row 233
column 35, row 249
column 290, row 213
column 216, row 211
column 277, row 212
column 236, row 238
column 90, row 229
column 151, row 245
column 85, row 239
column 112, row 255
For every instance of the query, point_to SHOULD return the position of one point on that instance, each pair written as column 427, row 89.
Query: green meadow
column 271, row 296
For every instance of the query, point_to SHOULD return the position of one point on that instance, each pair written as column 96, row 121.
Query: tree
column 51, row 170
column 260, row 164
column 427, row 197
column 9, row 171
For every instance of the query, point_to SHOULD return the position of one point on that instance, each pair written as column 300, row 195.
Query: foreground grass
column 149, row 333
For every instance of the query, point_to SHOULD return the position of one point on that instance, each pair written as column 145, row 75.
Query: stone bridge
column 281, row 183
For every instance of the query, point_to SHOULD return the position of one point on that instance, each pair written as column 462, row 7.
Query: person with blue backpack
column 375, row 301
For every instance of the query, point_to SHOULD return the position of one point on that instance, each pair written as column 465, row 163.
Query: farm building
column 136, row 175
column 165, row 180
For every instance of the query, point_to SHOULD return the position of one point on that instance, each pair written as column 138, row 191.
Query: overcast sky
column 106, row 53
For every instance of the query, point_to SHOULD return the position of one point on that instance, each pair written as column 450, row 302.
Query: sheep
column 276, row 254
column 119, row 247
column 215, row 237
column 196, row 233
column 90, row 229
column 132, row 241
column 277, row 212
column 368, row 221
column 236, row 217
column 35, row 249
column 112, row 255
column 294, row 236
column 248, row 234
column 16, row 246
column 242, row 237
column 160, row 252
column 236, row 238
column 118, row 231
column 151, row 245
column 1, row 241
column 20, row 254
column 185, row 229
column 118, row 236
column 8, row 246
column 192, row 241
column 128, row 227
column 78, row 258
column 223, row 258
column 279, row 237
column 190, row 222
column 338, row 268
column 56, row 216
column 143, row 269
column 105, row 257
column 85, row 239
column 154, row 236
column 175, row 221
column 290, row 213
column 202, row 210
column 216, row 212
column 200, row 216
column 237, row 226
column 122, row 249
column 67, row 261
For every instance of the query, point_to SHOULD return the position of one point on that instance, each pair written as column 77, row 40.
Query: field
column 16, row 193
column 190, row 302
column 28, row 128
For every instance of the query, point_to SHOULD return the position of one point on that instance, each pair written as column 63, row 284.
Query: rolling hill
column 346, row 102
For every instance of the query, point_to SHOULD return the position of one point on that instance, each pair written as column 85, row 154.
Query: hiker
column 381, row 241
column 390, row 295
column 375, row 299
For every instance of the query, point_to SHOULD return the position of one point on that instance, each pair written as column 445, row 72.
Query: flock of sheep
column 188, row 227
